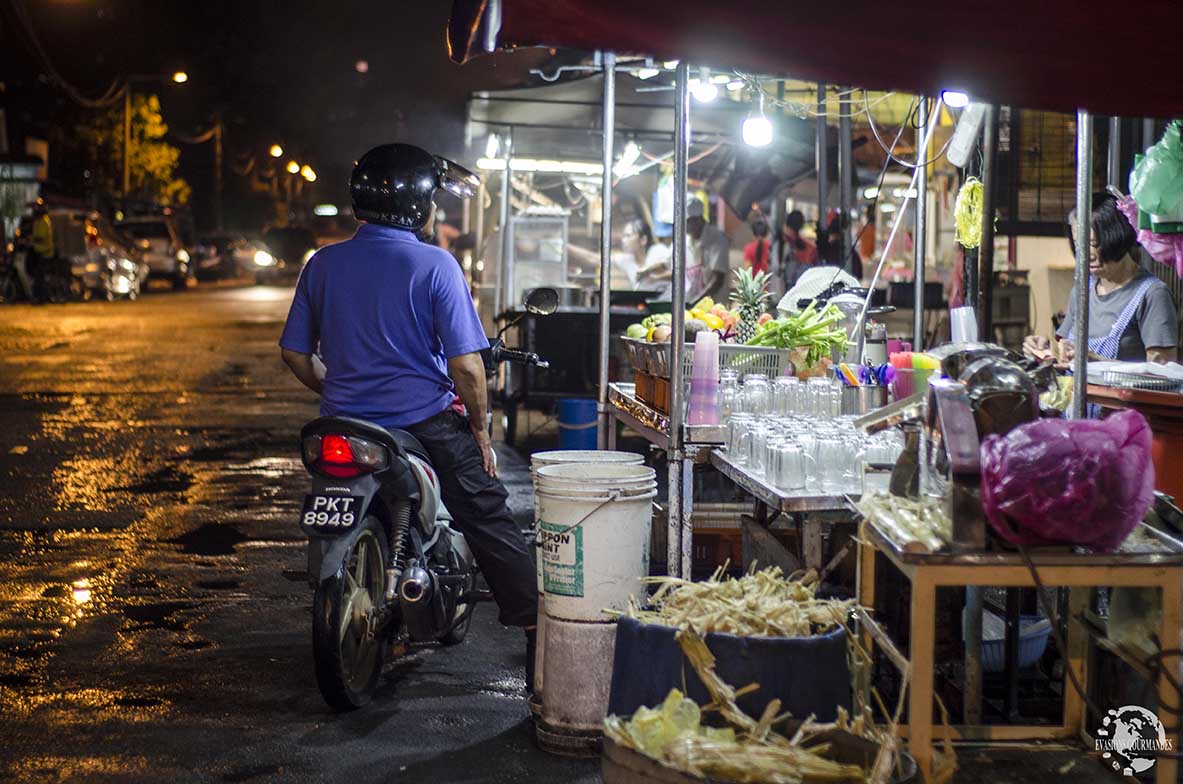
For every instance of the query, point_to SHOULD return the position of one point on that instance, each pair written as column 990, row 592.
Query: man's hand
column 303, row 368
column 481, row 436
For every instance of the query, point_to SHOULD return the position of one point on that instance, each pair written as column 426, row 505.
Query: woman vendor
column 1131, row 315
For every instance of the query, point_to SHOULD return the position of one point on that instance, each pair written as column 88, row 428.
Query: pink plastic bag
column 1086, row 482
column 1164, row 248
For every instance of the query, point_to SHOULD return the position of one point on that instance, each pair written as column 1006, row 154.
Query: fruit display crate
column 654, row 358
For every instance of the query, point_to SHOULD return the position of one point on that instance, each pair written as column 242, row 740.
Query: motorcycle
column 384, row 562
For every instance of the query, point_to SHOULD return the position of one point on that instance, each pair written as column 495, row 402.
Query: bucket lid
column 561, row 456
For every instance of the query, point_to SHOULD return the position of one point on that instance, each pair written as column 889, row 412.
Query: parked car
column 156, row 237
column 92, row 258
column 232, row 256
column 291, row 247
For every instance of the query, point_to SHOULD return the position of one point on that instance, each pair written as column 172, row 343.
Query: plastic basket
column 772, row 362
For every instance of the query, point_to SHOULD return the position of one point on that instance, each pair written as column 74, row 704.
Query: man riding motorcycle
column 400, row 338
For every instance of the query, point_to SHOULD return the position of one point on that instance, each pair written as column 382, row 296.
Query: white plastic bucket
column 593, row 530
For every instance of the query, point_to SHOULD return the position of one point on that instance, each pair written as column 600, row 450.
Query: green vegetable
column 636, row 331
column 656, row 320
column 810, row 329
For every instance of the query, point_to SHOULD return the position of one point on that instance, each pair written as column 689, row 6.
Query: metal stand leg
column 973, row 655
column 1012, row 655
column 679, row 545
column 687, row 537
column 921, row 646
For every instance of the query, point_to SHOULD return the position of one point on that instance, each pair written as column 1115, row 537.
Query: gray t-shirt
column 1155, row 323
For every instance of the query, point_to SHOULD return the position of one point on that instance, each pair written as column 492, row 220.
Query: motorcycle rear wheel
column 457, row 633
column 348, row 659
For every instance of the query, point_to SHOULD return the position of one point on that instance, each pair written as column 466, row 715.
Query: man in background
column 709, row 262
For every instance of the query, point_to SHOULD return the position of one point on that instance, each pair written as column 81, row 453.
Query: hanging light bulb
column 955, row 99
column 704, row 90
column 757, row 129
column 492, row 146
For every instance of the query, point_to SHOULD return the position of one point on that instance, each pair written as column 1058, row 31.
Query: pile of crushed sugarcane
column 747, row 751
column 759, row 604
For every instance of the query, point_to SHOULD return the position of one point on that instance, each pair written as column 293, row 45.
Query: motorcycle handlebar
column 521, row 357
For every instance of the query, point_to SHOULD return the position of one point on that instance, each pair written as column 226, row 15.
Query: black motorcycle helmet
column 393, row 184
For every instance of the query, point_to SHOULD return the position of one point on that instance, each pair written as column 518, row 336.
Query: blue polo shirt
column 385, row 312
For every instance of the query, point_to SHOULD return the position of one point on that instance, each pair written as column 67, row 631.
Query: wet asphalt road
column 154, row 618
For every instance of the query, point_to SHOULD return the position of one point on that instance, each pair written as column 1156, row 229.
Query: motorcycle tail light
column 368, row 454
column 344, row 456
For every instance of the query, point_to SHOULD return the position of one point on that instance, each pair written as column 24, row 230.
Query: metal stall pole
column 845, row 173
column 504, row 278
column 1084, row 212
column 1114, row 167
column 681, row 476
column 823, row 163
column 1147, row 133
column 776, row 245
column 985, row 301
column 609, row 131
column 919, row 245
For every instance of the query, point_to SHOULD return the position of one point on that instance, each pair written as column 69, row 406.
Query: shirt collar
column 378, row 231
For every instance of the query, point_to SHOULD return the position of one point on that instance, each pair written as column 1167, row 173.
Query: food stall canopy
column 1054, row 54
column 562, row 121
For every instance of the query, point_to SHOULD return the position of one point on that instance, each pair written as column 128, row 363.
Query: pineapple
column 750, row 296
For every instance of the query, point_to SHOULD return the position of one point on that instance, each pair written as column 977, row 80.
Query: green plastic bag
column 1156, row 183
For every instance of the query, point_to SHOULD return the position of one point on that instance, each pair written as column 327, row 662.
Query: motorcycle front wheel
column 348, row 655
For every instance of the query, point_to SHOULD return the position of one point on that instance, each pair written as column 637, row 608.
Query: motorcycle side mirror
column 542, row 301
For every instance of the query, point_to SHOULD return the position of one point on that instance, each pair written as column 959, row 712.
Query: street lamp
column 307, row 173
column 293, row 167
column 276, row 151
column 180, row 77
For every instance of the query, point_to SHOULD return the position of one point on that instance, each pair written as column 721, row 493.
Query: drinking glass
column 784, row 389
column 757, row 448
column 831, row 464
column 737, row 428
column 854, row 470
column 792, row 467
column 756, row 394
column 729, row 393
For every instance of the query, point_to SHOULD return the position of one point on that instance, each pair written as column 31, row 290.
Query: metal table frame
column 928, row 571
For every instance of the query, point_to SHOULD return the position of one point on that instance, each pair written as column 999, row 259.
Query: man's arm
column 468, row 374
column 1161, row 354
column 302, row 368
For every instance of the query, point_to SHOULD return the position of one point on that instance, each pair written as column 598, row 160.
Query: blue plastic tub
column 577, row 423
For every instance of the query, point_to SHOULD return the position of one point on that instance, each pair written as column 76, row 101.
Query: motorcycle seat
column 410, row 444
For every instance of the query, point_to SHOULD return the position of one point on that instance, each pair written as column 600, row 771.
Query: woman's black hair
column 1114, row 234
column 759, row 228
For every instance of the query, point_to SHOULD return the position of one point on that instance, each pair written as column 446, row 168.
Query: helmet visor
column 456, row 179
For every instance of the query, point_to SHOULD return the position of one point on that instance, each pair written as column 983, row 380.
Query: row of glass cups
column 793, row 454
column 785, row 396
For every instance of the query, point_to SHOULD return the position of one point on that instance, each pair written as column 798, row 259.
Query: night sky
column 278, row 71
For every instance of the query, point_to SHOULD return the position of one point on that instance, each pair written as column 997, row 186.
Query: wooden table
column 1164, row 412
column 1156, row 568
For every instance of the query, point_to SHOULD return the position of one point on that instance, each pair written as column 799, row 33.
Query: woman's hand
column 1037, row 346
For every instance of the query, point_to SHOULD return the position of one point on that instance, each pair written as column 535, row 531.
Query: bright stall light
column 670, row 65
column 647, row 73
column 955, row 99
column 276, row 151
column 735, row 84
column 180, row 77
column 308, row 254
column 625, row 167
column 757, row 131
column 492, row 146
column 264, row 259
column 293, row 167
column 705, row 91
column 535, row 165
column 887, row 208
column 871, row 193
column 325, row 210
column 307, row 173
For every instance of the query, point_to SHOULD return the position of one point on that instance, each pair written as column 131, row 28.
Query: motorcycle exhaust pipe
column 416, row 586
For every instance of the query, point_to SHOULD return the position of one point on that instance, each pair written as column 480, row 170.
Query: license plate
column 331, row 513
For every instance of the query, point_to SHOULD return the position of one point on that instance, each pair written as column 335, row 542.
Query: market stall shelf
column 1155, row 561
column 651, row 424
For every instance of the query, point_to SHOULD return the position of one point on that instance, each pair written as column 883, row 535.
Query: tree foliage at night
column 153, row 161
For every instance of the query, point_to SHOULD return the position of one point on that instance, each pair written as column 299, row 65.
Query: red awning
column 1110, row 58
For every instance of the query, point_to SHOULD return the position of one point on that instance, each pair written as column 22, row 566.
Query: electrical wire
column 801, row 109
column 113, row 94
column 891, row 153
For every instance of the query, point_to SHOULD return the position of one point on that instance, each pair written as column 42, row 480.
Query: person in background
column 800, row 253
column 638, row 258
column 1132, row 317
column 755, row 253
column 42, row 249
column 830, row 252
column 708, row 262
